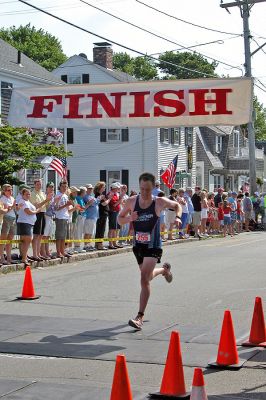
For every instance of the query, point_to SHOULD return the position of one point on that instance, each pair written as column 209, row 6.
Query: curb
column 5, row 269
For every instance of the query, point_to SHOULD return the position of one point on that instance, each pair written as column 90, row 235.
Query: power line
column 55, row 7
column 159, row 36
column 114, row 42
column 186, row 22
column 264, row 90
column 258, row 45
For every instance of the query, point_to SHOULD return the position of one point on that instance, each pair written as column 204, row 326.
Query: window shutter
column 125, row 177
column 161, row 134
column 103, row 135
column 70, row 135
column 103, row 175
column 68, row 177
column 125, row 135
column 172, row 135
column 186, row 136
column 85, row 78
column 64, row 78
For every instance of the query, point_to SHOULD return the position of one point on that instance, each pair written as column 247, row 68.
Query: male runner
column 144, row 211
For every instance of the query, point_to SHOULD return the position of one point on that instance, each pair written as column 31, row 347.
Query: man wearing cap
column 157, row 189
column 114, row 208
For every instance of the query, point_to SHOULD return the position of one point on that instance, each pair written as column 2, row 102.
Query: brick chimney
column 103, row 54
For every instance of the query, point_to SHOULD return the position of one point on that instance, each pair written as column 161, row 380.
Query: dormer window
column 218, row 144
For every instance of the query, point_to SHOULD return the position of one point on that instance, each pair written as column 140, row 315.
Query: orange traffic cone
column 257, row 335
column 121, row 385
column 198, row 387
column 173, row 382
column 28, row 292
column 227, row 357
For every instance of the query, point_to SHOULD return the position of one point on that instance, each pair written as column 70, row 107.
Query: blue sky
column 208, row 13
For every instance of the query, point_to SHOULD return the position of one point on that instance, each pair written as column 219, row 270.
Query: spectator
column 91, row 216
column 124, row 228
column 170, row 215
column 184, row 217
column 162, row 218
column 227, row 209
column 256, row 205
column 240, row 213
column 114, row 208
column 233, row 204
column 72, row 222
column 211, row 220
column 247, row 208
column 62, row 205
column 49, row 218
column 218, row 197
column 196, row 201
column 188, row 194
column 9, row 223
column 80, row 222
column 25, row 223
column 156, row 189
column 204, row 213
column 39, row 200
column 221, row 217
column 103, row 213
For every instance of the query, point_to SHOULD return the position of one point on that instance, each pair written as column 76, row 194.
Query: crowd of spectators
column 90, row 212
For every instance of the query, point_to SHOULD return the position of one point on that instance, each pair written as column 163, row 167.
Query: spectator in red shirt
column 114, row 208
column 227, row 218
column 220, row 216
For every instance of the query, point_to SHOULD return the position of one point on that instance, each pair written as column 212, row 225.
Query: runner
column 144, row 211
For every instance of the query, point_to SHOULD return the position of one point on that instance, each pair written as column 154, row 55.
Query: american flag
column 168, row 176
column 60, row 166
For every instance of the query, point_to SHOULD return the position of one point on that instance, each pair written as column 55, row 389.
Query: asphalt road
column 63, row 345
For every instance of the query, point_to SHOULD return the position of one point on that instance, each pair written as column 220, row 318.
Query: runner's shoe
column 167, row 274
column 136, row 323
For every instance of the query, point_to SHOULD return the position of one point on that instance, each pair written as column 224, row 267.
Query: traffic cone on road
column 198, row 387
column 28, row 292
column 227, row 357
column 121, row 385
column 173, row 382
column 257, row 335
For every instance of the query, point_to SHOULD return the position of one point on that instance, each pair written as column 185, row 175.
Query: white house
column 121, row 154
column 17, row 70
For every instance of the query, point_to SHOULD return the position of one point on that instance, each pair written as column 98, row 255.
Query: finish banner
column 171, row 103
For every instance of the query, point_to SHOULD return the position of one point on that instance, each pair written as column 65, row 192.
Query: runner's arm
column 126, row 215
column 163, row 202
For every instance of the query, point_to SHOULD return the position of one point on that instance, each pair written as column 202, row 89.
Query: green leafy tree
column 260, row 120
column 141, row 68
column 20, row 150
column 188, row 60
column 38, row 45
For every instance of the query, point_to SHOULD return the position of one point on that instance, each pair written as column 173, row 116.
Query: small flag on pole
column 60, row 166
column 168, row 176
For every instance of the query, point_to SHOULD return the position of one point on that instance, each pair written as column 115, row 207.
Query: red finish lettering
column 73, row 111
column 179, row 107
column 39, row 105
column 220, row 101
column 102, row 99
column 139, row 104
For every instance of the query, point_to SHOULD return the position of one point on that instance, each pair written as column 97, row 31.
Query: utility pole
column 245, row 6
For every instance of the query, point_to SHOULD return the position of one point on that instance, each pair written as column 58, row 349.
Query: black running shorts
column 142, row 252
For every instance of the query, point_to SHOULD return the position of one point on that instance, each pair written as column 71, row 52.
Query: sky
column 228, row 47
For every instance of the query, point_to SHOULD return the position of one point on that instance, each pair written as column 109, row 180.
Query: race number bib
column 143, row 237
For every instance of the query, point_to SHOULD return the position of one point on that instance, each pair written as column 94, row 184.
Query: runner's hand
column 134, row 216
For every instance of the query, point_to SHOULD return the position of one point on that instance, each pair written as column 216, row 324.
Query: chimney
column 103, row 54
column 19, row 58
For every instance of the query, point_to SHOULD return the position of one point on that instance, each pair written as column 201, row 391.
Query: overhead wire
column 185, row 21
column 114, row 42
column 159, row 36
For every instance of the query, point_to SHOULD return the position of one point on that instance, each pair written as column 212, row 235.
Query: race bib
column 143, row 237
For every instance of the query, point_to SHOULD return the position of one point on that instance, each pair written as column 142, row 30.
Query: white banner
column 136, row 104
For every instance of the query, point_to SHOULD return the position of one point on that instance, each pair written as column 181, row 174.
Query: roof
column 214, row 160
column 119, row 75
column 27, row 69
column 222, row 130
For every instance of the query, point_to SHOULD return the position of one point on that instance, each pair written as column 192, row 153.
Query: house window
column 114, row 135
column 217, row 182
column 165, row 135
column 188, row 136
column 218, row 144
column 175, row 136
column 70, row 135
column 75, row 79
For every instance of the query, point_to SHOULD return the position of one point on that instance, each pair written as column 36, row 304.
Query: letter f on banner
column 39, row 105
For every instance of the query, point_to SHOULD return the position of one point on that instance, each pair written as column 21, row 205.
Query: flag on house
column 168, row 176
column 60, row 166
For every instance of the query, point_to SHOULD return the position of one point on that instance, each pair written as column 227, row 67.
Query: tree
column 38, row 45
column 260, row 120
column 141, row 68
column 20, row 150
column 188, row 60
